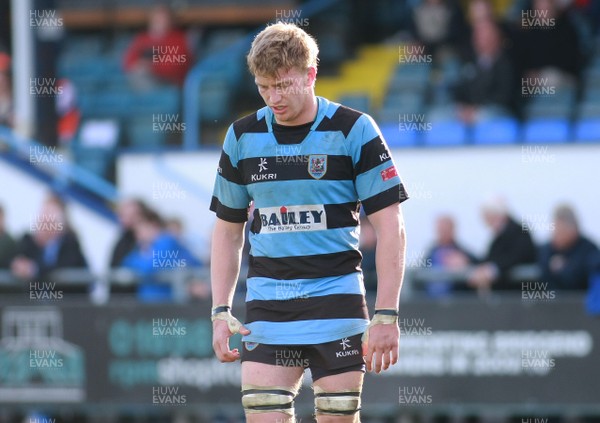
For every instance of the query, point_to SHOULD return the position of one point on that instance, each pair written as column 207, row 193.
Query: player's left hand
column 381, row 347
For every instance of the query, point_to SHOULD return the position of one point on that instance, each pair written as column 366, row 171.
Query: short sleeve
column 230, row 198
column 377, row 180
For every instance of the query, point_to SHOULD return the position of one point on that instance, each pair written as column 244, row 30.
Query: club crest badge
column 317, row 165
column 250, row 345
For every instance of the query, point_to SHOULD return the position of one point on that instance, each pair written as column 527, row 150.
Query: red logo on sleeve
column 389, row 173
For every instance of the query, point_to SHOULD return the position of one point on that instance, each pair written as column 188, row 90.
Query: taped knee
column 337, row 403
column 268, row 399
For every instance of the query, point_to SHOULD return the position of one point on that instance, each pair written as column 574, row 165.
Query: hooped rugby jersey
column 304, row 282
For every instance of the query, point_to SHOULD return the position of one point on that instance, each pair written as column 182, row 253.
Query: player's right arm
column 226, row 253
column 230, row 203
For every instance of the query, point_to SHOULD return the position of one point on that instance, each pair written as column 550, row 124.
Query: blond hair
column 282, row 46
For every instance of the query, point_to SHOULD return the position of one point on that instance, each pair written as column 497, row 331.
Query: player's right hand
column 221, row 335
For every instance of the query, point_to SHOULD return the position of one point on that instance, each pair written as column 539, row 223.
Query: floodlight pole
column 22, row 67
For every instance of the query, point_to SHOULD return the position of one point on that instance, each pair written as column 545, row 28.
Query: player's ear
column 311, row 75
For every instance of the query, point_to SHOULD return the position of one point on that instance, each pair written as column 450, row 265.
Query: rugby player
column 308, row 165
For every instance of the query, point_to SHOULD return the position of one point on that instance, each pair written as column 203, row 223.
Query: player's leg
column 337, row 370
column 270, row 382
column 337, row 397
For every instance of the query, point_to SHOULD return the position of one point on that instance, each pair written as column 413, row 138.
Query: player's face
column 290, row 95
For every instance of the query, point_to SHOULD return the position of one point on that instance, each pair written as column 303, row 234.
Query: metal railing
column 63, row 175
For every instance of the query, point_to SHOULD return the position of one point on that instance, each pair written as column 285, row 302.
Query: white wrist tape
column 379, row 319
column 233, row 324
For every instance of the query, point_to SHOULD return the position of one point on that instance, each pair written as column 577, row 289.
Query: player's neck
column 309, row 114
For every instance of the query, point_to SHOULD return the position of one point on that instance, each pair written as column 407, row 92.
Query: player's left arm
column 383, row 339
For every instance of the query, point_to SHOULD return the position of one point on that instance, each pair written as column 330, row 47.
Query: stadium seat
column 496, row 131
column 587, row 130
column 358, row 102
column 546, row 131
column 214, row 99
column 588, row 110
column 387, row 115
column 446, row 133
column 143, row 134
column 398, row 138
column 592, row 95
column 404, row 101
column 557, row 105
column 110, row 104
column 412, row 77
column 162, row 100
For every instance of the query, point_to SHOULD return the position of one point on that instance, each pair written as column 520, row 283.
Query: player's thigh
column 262, row 374
column 343, row 382
column 270, row 376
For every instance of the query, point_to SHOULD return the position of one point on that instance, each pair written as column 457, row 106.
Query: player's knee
column 344, row 403
column 260, row 399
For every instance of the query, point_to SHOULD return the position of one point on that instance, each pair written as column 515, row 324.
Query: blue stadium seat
column 387, row 115
column 410, row 76
column 588, row 110
column 557, row 105
column 142, row 134
column 592, row 95
column 214, row 99
column 110, row 104
column 396, row 138
column 587, row 130
column 162, row 100
column 546, row 131
column 496, row 131
column 358, row 102
column 404, row 101
column 77, row 46
column 446, row 133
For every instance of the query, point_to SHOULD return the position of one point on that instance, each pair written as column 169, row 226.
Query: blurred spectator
column 7, row 244
column 511, row 246
column 447, row 254
column 480, row 10
column 485, row 84
column 156, row 251
column 198, row 285
column 67, row 112
column 174, row 226
column 548, row 44
column 440, row 26
column 129, row 212
column 6, row 102
column 52, row 244
column 160, row 55
column 567, row 260
column 485, row 10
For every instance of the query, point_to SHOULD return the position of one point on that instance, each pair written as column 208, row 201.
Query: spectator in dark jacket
column 548, row 44
column 511, row 246
column 129, row 212
column 485, row 84
column 567, row 260
column 7, row 244
column 51, row 244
